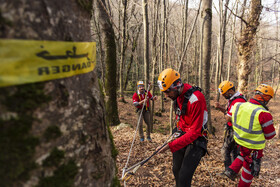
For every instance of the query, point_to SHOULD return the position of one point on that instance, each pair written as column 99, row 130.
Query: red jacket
column 238, row 100
column 266, row 122
column 192, row 121
column 140, row 97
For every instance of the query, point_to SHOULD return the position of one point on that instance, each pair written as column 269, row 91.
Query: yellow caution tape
column 28, row 61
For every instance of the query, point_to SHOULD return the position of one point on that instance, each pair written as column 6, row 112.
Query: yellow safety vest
column 247, row 128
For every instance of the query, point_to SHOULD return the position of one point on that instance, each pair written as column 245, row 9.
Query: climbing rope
column 128, row 173
column 135, row 133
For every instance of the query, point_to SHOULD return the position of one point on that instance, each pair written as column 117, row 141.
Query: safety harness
column 200, row 141
column 237, row 97
column 179, row 112
column 139, row 95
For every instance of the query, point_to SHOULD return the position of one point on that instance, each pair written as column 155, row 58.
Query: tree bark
column 206, row 55
column 108, row 36
column 154, row 57
column 64, row 117
column 245, row 45
column 123, row 49
column 146, row 42
column 131, row 59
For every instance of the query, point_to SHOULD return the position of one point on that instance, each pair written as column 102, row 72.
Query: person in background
column 252, row 125
column 139, row 98
column 229, row 149
column 190, row 144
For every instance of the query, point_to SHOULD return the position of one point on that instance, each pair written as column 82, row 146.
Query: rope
column 136, row 166
column 135, row 133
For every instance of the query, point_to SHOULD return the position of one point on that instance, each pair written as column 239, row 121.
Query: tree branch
column 237, row 15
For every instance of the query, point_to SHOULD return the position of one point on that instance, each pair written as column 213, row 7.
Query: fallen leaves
column 158, row 170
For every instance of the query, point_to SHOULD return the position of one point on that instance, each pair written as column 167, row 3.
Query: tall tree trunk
column 245, row 45
column 222, row 41
column 123, row 49
column 162, row 50
column 200, row 71
column 53, row 133
column 146, row 42
column 231, row 47
column 112, row 115
column 277, row 49
column 100, row 52
column 180, row 64
column 206, row 55
column 196, row 56
column 133, row 49
column 185, row 23
column 155, row 57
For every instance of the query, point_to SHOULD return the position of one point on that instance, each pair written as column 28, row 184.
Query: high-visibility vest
column 247, row 128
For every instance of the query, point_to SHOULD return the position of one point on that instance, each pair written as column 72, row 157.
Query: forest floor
column 158, row 170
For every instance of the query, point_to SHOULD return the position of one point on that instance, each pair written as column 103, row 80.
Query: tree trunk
column 133, row 48
column 53, row 133
column 100, row 52
column 109, row 44
column 123, row 49
column 161, row 59
column 155, row 58
column 146, row 42
column 206, row 55
column 231, row 50
column 245, row 45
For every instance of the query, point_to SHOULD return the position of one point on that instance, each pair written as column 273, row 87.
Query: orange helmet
column 265, row 89
column 140, row 83
column 225, row 86
column 166, row 78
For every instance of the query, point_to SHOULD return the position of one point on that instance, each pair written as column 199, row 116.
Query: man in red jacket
column 139, row 98
column 191, row 113
column 252, row 125
column 229, row 150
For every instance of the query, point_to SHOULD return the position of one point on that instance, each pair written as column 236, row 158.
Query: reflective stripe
column 267, row 123
column 245, row 180
column 247, row 140
column 240, row 158
column 235, row 114
column 247, row 171
column 193, row 99
column 250, row 131
column 270, row 134
column 253, row 117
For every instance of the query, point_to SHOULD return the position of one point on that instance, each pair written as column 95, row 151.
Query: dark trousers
column 185, row 162
column 146, row 116
column 229, row 150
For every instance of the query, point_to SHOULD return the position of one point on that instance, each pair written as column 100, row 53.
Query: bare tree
column 109, row 44
column 146, row 41
column 154, row 55
column 221, row 43
column 206, row 14
column 123, row 49
column 246, row 44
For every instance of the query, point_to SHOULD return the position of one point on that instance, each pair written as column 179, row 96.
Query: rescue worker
column 229, row 149
column 252, row 125
column 190, row 145
column 139, row 98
